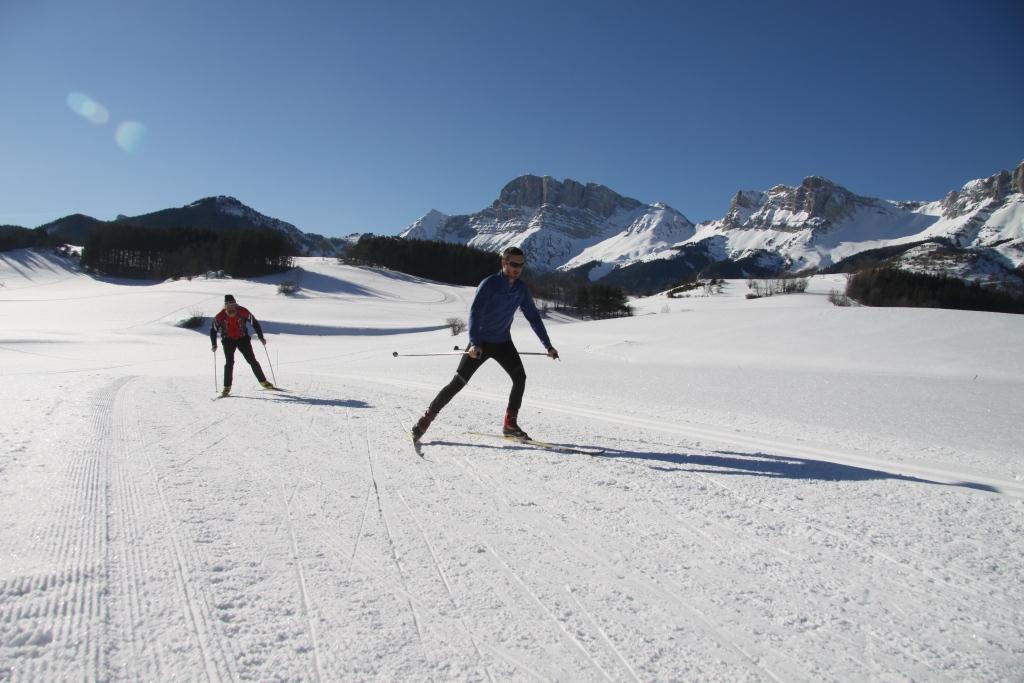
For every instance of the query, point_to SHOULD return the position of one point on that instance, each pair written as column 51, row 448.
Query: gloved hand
column 214, row 348
column 553, row 353
column 263, row 341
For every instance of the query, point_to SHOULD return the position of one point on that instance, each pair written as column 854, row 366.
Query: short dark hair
column 512, row 251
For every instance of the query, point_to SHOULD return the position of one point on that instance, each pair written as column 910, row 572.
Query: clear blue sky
column 342, row 116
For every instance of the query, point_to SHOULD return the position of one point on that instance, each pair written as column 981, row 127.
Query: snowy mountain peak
column 817, row 203
column 429, row 226
column 530, row 191
column 217, row 202
column 559, row 223
column 995, row 188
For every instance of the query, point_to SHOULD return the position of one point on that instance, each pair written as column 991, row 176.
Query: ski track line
column 135, row 569
column 845, row 538
column 439, row 569
column 370, row 486
column 195, row 602
column 444, row 580
column 544, row 609
column 388, row 583
column 477, row 644
column 792, row 521
column 641, row 581
column 753, row 441
column 307, row 611
column 793, row 563
column 507, row 658
column 391, row 538
column 929, row 575
column 713, row 630
column 728, row 436
column 849, row 541
column 64, row 617
column 497, row 652
column 535, row 599
column 643, row 584
column 151, row 553
column 375, row 574
column 604, row 636
column 789, row 559
column 757, row 444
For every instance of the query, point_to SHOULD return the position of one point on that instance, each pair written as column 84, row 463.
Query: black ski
column 544, row 445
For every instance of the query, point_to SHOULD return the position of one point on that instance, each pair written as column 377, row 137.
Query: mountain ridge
column 976, row 232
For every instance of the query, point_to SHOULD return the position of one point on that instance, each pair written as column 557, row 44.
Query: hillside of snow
column 776, row 489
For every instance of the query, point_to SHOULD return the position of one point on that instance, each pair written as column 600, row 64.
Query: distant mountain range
column 213, row 213
column 975, row 233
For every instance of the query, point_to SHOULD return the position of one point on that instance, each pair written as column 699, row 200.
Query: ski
column 544, row 445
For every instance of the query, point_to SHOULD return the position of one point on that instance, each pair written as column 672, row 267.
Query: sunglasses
column 516, row 264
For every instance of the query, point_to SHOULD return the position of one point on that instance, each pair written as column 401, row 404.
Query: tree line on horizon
column 891, row 286
column 124, row 250
column 459, row 264
column 16, row 237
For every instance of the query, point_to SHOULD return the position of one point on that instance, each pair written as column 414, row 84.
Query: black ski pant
column 244, row 346
column 506, row 355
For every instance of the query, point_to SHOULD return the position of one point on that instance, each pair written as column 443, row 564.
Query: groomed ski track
column 298, row 535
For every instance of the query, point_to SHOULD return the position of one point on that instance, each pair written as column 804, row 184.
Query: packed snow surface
column 776, row 489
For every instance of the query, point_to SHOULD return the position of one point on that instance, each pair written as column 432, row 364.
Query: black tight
column 506, row 355
column 244, row 346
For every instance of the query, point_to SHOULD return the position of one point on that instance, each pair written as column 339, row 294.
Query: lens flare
column 130, row 135
column 88, row 108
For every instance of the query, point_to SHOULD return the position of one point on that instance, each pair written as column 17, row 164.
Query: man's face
column 513, row 266
column 231, row 309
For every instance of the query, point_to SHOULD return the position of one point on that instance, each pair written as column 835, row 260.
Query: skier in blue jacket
column 490, row 320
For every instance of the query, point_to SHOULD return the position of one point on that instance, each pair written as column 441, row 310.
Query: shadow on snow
column 291, row 397
column 740, row 464
column 271, row 328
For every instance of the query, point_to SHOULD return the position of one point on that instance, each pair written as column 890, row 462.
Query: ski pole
column 459, row 351
column 269, row 363
column 215, row 368
column 528, row 353
column 456, row 352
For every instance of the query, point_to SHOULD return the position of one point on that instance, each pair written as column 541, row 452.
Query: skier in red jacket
column 232, row 324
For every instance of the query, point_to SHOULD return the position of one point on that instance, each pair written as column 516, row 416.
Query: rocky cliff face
column 557, row 221
column 996, row 188
column 817, row 203
column 533, row 192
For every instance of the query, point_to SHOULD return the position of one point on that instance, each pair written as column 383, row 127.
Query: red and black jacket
column 234, row 327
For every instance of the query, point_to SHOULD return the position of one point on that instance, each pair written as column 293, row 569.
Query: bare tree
column 457, row 325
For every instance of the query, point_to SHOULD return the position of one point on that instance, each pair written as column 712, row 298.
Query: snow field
column 788, row 492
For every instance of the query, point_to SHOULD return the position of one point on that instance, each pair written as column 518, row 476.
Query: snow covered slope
column 787, row 491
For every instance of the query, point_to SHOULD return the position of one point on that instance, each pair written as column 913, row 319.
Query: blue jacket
column 494, row 306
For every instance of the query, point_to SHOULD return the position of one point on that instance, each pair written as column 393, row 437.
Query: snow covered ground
column 789, row 490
